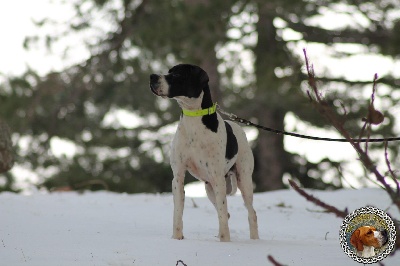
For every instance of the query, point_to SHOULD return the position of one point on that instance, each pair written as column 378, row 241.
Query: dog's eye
column 369, row 232
column 175, row 75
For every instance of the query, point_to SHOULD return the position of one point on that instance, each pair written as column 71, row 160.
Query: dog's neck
column 203, row 102
column 210, row 121
column 206, row 101
column 369, row 251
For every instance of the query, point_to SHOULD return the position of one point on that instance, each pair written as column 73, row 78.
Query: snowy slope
column 117, row 229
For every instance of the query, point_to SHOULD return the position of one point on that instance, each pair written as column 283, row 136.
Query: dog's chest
column 198, row 141
column 199, row 149
column 367, row 252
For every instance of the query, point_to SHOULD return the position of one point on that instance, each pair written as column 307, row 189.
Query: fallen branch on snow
column 318, row 202
column 273, row 261
column 180, row 261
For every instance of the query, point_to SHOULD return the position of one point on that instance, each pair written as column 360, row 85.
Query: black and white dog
column 211, row 149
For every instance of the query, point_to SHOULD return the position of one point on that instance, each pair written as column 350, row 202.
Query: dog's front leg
column 179, row 201
column 219, row 187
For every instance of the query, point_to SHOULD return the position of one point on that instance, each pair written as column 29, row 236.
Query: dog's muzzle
column 155, row 84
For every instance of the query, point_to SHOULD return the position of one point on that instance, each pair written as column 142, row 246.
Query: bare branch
column 392, row 174
column 180, row 261
column 273, row 261
column 318, row 202
column 326, row 111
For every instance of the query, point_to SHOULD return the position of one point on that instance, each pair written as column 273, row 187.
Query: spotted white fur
column 197, row 149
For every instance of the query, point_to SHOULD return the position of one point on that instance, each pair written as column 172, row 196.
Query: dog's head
column 182, row 80
column 368, row 236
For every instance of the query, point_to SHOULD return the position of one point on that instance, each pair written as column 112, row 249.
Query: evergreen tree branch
column 387, row 80
column 348, row 35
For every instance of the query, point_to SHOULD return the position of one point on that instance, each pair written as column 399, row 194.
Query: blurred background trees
column 97, row 125
column 6, row 156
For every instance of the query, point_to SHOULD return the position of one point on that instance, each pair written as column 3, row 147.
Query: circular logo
column 367, row 235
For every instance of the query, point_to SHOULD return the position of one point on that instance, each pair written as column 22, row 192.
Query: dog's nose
column 154, row 78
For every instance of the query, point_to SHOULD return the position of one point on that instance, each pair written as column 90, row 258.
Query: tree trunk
column 6, row 152
column 210, row 65
column 204, row 54
column 269, row 152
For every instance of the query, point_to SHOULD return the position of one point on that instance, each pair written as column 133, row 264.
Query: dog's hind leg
column 231, row 181
column 210, row 194
column 245, row 185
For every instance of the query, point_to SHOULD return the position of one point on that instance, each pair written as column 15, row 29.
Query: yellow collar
column 202, row 112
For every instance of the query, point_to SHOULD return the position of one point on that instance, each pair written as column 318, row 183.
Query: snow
column 103, row 228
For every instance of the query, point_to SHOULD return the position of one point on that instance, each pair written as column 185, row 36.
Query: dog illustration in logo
column 366, row 238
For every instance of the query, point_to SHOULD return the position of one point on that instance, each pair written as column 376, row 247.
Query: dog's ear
column 174, row 68
column 355, row 240
column 199, row 75
column 203, row 77
column 198, row 81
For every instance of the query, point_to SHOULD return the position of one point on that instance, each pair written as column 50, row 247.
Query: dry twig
column 392, row 174
column 273, row 261
column 318, row 202
column 330, row 115
column 180, row 261
column 374, row 117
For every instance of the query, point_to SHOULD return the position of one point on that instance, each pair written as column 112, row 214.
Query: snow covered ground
column 117, row 229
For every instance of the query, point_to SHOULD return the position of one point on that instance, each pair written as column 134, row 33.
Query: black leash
column 235, row 118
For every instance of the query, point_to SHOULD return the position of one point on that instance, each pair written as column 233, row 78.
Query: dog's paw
column 178, row 237
column 254, row 237
column 225, row 238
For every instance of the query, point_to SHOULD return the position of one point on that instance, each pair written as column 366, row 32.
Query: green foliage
column 254, row 69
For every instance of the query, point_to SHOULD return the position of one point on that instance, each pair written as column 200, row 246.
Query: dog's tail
column 231, row 182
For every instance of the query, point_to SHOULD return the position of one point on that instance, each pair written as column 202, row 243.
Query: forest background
column 90, row 121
